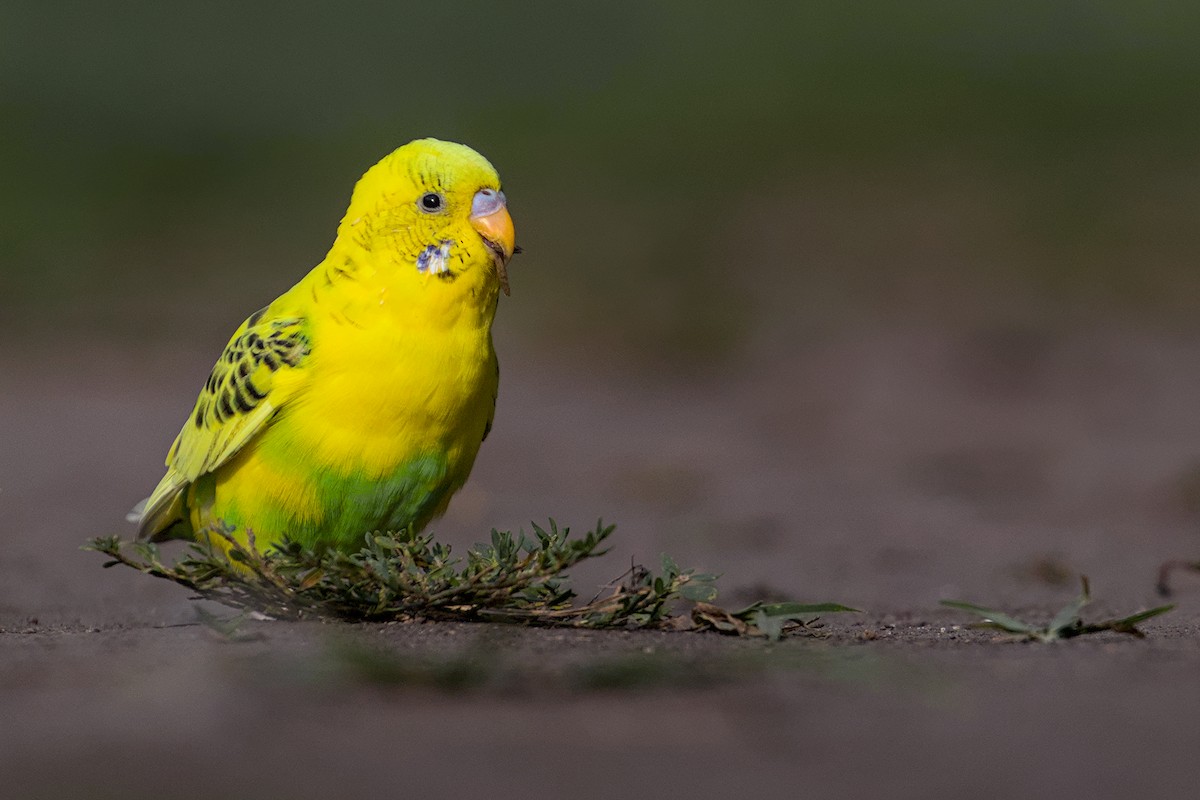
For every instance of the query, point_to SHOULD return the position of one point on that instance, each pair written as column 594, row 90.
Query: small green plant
column 1066, row 624
column 399, row 576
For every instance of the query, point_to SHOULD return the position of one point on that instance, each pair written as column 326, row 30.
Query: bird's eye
column 431, row 201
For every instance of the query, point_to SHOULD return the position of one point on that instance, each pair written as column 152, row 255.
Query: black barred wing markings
column 243, row 376
column 240, row 397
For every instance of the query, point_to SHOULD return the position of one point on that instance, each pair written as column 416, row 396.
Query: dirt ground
column 887, row 469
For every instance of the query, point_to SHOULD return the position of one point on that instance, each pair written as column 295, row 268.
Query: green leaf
column 698, row 592
column 990, row 615
column 1127, row 625
column 1142, row 616
column 792, row 609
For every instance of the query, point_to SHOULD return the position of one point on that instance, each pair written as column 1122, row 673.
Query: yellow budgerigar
column 358, row 399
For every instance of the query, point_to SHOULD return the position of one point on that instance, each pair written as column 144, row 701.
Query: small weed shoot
column 1066, row 624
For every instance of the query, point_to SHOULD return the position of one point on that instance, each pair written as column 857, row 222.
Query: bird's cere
column 487, row 201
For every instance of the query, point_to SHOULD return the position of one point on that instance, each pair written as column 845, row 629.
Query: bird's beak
column 489, row 216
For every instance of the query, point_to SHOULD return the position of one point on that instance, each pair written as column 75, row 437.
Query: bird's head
column 435, row 209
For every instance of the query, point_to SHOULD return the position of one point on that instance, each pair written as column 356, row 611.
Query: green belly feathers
column 351, row 505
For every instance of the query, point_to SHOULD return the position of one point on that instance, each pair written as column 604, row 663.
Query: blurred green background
column 689, row 180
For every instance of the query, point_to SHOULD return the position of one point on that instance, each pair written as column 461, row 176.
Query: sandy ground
column 887, row 469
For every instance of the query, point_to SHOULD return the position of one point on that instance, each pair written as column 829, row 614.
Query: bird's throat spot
column 435, row 260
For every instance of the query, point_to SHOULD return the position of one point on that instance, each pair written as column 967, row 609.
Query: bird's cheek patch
column 435, row 259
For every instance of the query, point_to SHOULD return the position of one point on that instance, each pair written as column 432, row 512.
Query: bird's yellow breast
column 383, row 428
column 381, row 391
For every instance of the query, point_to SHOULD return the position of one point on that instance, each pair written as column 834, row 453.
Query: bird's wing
column 239, row 399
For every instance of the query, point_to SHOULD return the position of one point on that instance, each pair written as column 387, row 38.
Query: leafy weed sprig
column 400, row 576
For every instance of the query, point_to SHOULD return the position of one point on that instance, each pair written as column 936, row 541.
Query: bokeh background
column 687, row 179
column 874, row 302
column 810, row 292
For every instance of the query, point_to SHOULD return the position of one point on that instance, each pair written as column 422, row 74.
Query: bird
column 356, row 401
